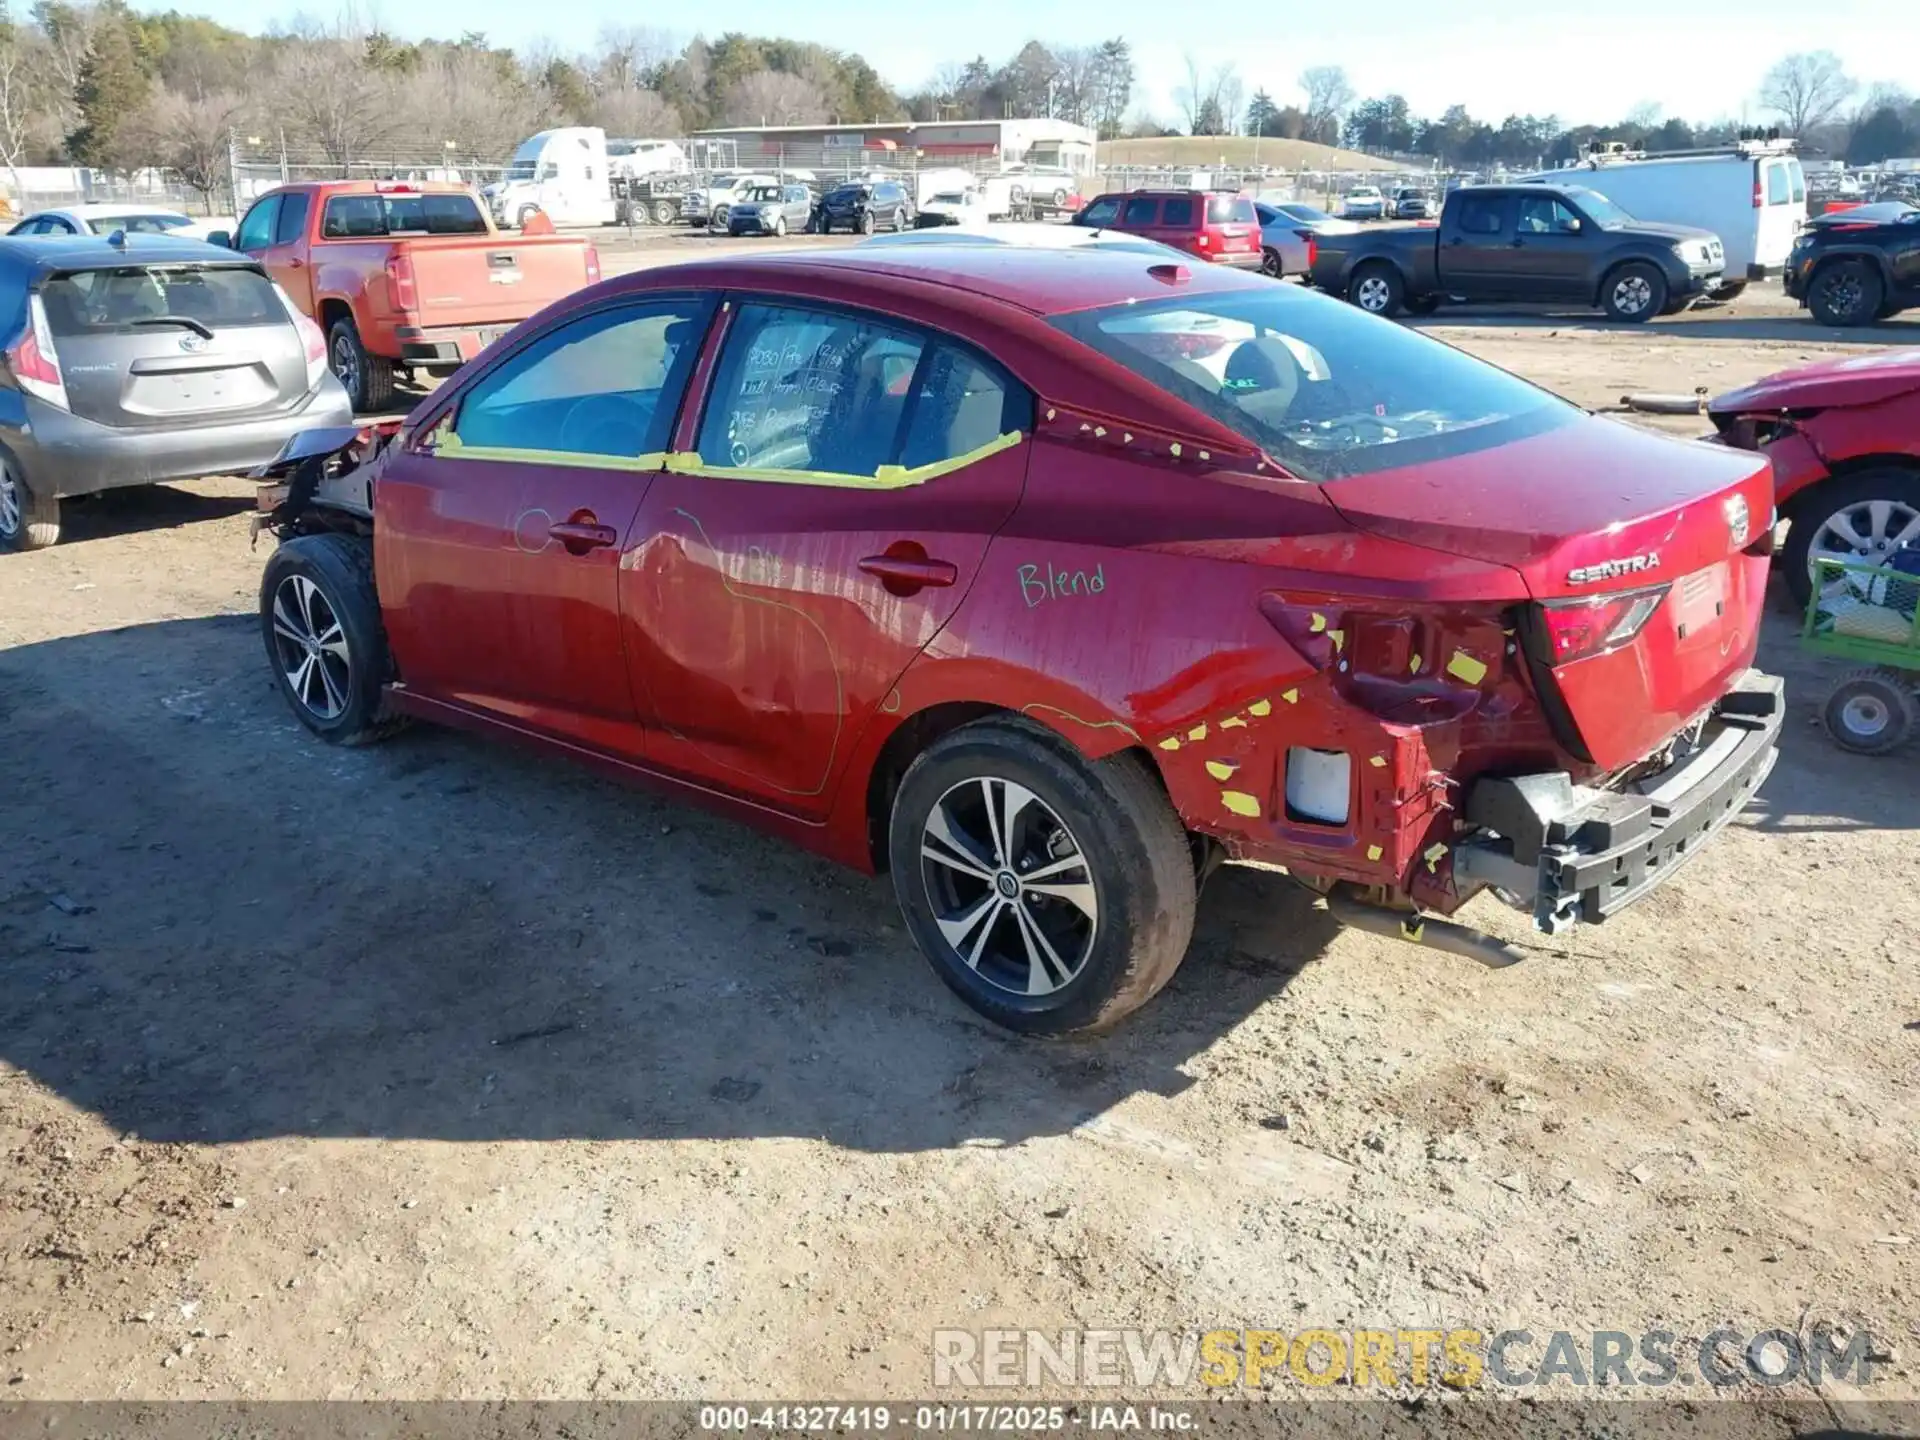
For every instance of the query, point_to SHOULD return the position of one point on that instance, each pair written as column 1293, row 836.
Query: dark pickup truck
column 1546, row 244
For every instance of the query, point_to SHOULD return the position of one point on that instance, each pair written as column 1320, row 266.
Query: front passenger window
column 607, row 384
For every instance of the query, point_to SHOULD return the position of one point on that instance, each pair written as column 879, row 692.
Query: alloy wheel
column 346, row 364
column 1866, row 533
column 1842, row 290
column 9, row 502
column 311, row 647
column 1372, row 294
column 1011, row 890
column 1632, row 294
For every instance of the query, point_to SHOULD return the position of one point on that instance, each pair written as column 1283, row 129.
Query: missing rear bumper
column 1569, row 853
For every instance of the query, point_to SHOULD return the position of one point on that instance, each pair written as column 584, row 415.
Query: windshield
column 1325, row 389
column 1602, row 211
column 521, row 170
column 766, row 195
column 154, row 222
column 849, row 192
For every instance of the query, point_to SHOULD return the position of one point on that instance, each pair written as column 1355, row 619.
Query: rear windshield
column 150, row 223
column 90, row 301
column 1230, row 210
column 355, row 217
column 1326, row 390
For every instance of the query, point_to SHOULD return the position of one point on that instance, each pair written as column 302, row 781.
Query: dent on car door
column 501, row 525
column 823, row 522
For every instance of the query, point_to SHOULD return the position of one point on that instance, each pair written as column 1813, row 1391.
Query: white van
column 1752, row 194
column 562, row 172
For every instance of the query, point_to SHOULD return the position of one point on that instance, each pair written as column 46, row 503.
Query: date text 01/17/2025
column 1036, row 588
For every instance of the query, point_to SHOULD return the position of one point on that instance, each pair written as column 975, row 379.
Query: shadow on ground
column 141, row 508
column 441, row 938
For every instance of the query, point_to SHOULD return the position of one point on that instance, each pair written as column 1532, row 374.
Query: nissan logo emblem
column 192, row 343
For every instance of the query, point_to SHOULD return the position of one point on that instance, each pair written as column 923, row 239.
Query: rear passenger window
column 959, row 405
column 1141, row 210
column 606, row 384
column 1177, row 212
column 809, row 390
column 292, row 224
column 1480, row 217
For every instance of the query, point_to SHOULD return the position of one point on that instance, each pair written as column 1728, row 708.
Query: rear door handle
column 583, row 533
column 900, row 572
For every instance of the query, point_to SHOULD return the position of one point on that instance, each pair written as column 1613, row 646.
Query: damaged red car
column 1048, row 582
column 1844, row 440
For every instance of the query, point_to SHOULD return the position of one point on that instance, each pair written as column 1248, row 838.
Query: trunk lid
column 1587, row 513
column 160, row 344
column 1855, row 380
column 467, row 280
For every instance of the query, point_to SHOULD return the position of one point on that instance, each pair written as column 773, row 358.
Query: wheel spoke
column 300, row 677
column 1080, row 896
column 303, row 592
column 1879, row 512
column 1001, row 857
column 957, row 928
column 1016, row 799
column 334, row 640
column 1907, row 532
column 1046, row 971
column 336, row 694
column 1075, row 861
column 961, row 851
column 1841, row 525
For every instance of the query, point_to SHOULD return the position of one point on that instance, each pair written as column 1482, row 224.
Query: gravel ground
column 437, row 1069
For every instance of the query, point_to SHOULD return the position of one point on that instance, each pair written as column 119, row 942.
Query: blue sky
column 1582, row 62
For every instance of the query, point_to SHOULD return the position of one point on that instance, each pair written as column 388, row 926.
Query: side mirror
column 222, row 238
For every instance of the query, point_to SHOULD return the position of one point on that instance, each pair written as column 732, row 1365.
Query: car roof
column 46, row 253
column 1038, row 281
column 93, row 209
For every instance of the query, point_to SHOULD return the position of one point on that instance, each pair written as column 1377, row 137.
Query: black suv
column 863, row 207
column 1853, row 267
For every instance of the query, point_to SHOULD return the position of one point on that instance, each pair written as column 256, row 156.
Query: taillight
column 400, row 286
column 313, row 339
column 33, row 360
column 1593, row 625
column 593, row 264
column 1759, row 193
column 1313, row 246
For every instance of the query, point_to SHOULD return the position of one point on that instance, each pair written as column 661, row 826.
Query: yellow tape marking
column 1221, row 769
column 1240, row 803
column 579, row 460
column 1414, row 668
column 1233, row 722
column 1260, row 709
column 1292, row 697
column 1174, row 449
column 1338, row 637
column 1199, row 732
column 1317, row 623
column 887, row 477
column 1466, row 668
column 1434, row 854
column 1413, row 929
column 1373, row 852
column 1172, row 742
column 1379, row 762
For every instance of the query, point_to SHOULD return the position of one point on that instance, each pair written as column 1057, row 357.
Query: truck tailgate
column 467, row 280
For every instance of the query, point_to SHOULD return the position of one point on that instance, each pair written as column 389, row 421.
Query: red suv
column 1210, row 225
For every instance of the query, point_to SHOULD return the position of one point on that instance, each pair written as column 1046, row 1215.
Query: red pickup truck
column 405, row 276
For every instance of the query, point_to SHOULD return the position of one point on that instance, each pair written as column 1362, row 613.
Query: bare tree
column 27, row 90
column 324, row 92
column 629, row 56
column 1191, row 94
column 467, row 98
column 636, row 113
column 768, row 97
column 1227, row 92
column 1806, row 91
column 189, row 135
column 1329, row 93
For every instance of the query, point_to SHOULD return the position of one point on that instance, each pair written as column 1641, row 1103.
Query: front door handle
column 583, row 533
column 903, row 574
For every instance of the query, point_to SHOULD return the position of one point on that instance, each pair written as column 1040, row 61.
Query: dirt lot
column 437, row 1070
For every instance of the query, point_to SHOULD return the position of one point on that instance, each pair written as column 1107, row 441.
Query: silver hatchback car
column 137, row 359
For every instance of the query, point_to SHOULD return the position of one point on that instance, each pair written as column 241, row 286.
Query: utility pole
column 233, row 169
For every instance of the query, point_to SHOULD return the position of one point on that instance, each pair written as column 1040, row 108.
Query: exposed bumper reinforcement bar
column 1572, row 853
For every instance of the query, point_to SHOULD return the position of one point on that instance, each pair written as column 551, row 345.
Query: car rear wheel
column 367, row 379
column 1870, row 712
column 779, row 226
column 1860, row 519
column 1270, row 263
column 1377, row 289
column 900, row 220
column 866, row 222
column 1054, row 895
column 527, row 212
column 27, row 521
column 1846, row 292
column 1634, row 293
column 320, row 618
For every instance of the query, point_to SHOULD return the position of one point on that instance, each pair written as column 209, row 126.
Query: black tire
column 1846, row 292
column 1139, row 868
column 779, row 227
column 900, row 220
column 527, row 212
column 339, row 568
column 1634, row 293
column 367, row 379
column 28, row 521
column 867, row 225
column 1423, row 305
column 1271, row 264
column 1376, row 287
column 1813, row 508
column 1870, row 712
column 664, row 213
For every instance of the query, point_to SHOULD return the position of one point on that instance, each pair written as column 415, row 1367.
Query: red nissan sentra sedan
column 1048, row 581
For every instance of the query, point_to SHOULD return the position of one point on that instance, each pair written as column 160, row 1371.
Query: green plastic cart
column 1870, row 615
